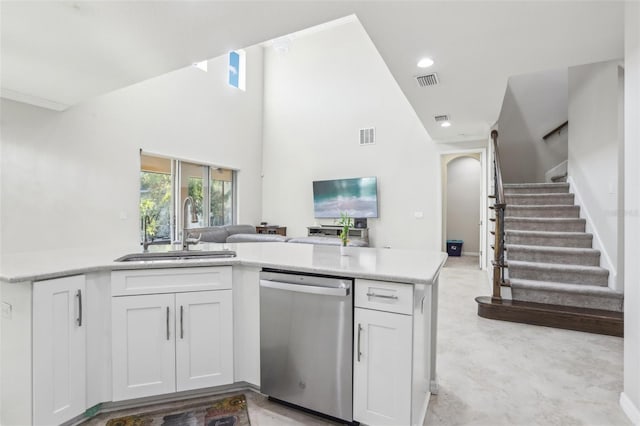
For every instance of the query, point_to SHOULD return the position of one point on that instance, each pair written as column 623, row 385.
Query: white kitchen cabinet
column 204, row 339
column 174, row 341
column 143, row 345
column 382, row 373
column 59, row 350
column 393, row 376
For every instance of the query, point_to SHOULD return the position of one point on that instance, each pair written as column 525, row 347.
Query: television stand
column 334, row 231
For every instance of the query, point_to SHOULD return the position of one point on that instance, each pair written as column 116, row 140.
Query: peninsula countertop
column 400, row 265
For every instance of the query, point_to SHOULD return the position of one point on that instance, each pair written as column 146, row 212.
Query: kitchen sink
column 176, row 255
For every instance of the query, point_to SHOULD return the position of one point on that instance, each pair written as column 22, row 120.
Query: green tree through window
column 155, row 204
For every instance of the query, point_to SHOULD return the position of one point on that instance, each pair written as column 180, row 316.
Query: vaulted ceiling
column 56, row 54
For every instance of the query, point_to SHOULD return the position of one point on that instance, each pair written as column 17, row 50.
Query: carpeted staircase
column 549, row 255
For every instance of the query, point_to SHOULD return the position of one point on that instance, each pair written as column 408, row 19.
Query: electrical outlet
column 6, row 310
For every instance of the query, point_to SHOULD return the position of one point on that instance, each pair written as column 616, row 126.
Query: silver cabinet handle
column 168, row 323
column 79, row 319
column 382, row 296
column 359, row 333
column 181, row 322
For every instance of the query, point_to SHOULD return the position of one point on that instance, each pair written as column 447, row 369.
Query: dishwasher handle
column 311, row 289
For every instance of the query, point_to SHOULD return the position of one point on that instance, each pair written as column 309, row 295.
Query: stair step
column 558, row 273
column 536, row 188
column 543, row 211
column 553, row 239
column 539, row 199
column 567, row 294
column 562, row 224
column 561, row 255
column 565, row 317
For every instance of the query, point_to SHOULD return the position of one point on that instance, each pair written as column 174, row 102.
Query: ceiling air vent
column 368, row 136
column 441, row 118
column 427, row 80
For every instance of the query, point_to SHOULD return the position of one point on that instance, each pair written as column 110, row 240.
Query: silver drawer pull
column 382, row 296
column 79, row 319
column 359, row 333
column 168, row 323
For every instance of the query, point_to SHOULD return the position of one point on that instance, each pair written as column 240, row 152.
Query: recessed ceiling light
column 425, row 62
column 445, row 124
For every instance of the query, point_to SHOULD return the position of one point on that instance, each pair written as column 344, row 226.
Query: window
column 221, row 196
column 237, row 66
column 164, row 186
column 155, row 197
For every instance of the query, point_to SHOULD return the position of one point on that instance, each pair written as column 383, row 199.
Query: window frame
column 176, row 219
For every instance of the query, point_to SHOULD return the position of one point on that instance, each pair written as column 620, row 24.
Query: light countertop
column 399, row 265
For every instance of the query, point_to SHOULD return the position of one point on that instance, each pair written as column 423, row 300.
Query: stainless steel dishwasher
column 306, row 341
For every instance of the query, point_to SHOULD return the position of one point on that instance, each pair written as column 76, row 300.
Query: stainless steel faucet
column 194, row 219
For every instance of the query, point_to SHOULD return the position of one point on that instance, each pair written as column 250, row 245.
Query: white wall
column 630, row 399
column 71, row 179
column 463, row 203
column 593, row 153
column 317, row 97
column 533, row 105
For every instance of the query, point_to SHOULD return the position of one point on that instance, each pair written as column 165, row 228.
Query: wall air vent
column 441, row 118
column 427, row 80
column 368, row 136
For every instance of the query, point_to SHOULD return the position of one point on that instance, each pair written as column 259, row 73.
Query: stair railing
column 499, row 207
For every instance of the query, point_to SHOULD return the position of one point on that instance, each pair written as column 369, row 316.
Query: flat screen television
column 358, row 197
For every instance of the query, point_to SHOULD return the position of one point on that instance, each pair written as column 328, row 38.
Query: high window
column 165, row 183
column 237, row 69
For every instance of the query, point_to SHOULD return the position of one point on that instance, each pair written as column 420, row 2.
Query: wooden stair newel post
column 499, row 207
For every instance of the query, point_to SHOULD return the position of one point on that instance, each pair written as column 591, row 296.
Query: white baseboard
column 605, row 259
column 630, row 409
column 558, row 170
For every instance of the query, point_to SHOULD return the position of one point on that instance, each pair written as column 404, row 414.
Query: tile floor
column 499, row 373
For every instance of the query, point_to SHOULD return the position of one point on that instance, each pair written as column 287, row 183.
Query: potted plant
column 346, row 222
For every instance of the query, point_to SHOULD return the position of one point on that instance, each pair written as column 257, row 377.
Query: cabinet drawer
column 384, row 296
column 170, row 280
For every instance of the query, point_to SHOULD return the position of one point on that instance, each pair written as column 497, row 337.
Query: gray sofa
column 232, row 234
column 247, row 233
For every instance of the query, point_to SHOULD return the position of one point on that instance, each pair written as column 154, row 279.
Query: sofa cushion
column 211, row 234
column 332, row 241
column 240, row 229
column 252, row 238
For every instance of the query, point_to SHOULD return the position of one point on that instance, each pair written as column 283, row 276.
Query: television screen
column 357, row 197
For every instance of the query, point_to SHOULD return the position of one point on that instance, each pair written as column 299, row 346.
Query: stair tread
column 543, row 206
column 552, row 249
column 567, row 287
column 545, row 219
column 558, row 267
column 539, row 194
column 537, row 185
column 601, row 321
column 550, row 233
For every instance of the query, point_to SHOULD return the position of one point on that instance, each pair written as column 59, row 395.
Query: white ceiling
column 58, row 53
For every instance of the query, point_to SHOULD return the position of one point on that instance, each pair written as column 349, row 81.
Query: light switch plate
column 418, row 215
column 6, row 310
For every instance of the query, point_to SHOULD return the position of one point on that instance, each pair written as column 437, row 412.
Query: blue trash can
column 454, row 247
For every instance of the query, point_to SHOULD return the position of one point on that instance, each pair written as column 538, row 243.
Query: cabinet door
column 204, row 339
column 382, row 368
column 143, row 345
column 59, row 350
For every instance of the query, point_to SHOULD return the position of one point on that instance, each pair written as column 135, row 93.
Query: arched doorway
column 462, row 201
